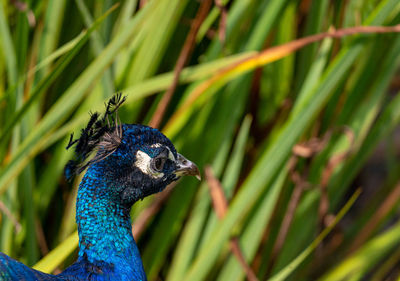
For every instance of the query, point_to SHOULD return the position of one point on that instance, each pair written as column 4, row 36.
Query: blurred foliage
column 290, row 138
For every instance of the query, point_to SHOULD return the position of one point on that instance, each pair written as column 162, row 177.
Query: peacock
column 124, row 163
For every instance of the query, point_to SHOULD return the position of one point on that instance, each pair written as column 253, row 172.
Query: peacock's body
column 131, row 162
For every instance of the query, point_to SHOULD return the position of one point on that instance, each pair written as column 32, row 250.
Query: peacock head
column 133, row 160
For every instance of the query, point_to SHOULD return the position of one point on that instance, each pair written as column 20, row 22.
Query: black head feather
column 102, row 134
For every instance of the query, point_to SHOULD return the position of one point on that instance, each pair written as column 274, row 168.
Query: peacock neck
column 104, row 226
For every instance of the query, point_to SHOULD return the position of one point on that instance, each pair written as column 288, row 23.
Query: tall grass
column 288, row 132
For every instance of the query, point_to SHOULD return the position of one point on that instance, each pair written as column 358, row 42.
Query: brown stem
column 270, row 55
column 333, row 162
column 300, row 186
column 222, row 21
column 11, row 217
column 183, row 58
column 142, row 3
column 144, row 217
column 220, row 204
column 377, row 217
column 23, row 7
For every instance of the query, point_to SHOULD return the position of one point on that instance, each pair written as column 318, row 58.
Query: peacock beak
column 186, row 167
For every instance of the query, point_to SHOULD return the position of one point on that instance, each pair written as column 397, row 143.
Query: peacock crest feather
column 102, row 135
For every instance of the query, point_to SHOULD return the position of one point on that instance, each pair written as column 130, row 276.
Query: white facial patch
column 156, row 145
column 143, row 162
column 171, row 155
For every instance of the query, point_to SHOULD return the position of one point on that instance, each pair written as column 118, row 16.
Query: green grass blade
column 46, row 81
column 279, row 151
column 263, row 171
column 361, row 262
column 285, row 273
column 98, row 46
column 8, row 48
column 251, row 237
column 66, row 103
column 53, row 259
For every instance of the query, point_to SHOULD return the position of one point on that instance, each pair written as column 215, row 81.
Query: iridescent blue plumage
column 132, row 162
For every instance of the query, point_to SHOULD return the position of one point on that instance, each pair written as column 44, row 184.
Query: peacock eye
column 158, row 164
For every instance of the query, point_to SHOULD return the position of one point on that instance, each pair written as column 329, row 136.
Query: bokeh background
column 298, row 144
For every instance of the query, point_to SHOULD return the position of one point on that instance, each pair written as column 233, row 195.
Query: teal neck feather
column 104, row 225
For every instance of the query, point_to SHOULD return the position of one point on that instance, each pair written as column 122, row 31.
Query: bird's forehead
column 155, row 150
column 147, row 139
column 158, row 148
